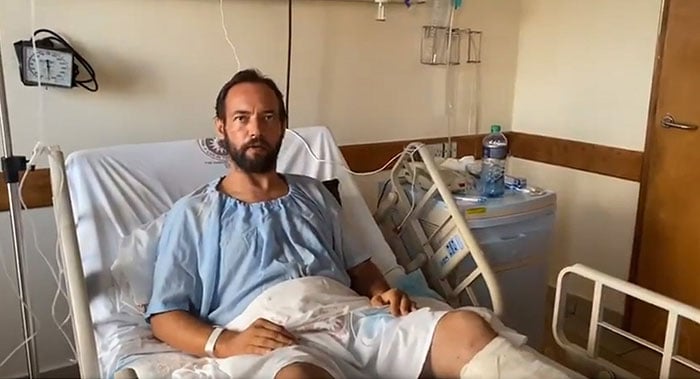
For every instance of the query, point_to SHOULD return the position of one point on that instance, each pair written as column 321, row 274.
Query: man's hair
column 249, row 76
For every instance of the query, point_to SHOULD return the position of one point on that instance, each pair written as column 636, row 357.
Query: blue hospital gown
column 216, row 254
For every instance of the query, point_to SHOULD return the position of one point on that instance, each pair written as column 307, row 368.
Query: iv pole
column 11, row 167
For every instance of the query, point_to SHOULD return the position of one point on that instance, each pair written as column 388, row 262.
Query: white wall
column 160, row 64
column 584, row 73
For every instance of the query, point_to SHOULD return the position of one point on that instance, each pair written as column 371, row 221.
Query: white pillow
column 135, row 263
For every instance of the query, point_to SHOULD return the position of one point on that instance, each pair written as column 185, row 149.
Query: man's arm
column 365, row 277
column 177, row 295
column 367, row 280
column 187, row 333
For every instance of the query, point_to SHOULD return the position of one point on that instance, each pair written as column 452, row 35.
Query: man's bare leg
column 302, row 371
column 459, row 335
column 465, row 346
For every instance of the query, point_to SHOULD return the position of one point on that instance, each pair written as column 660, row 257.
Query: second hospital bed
column 102, row 195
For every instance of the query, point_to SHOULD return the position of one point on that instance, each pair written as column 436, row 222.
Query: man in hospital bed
column 257, row 271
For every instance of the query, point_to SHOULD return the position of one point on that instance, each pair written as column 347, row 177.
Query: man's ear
column 219, row 127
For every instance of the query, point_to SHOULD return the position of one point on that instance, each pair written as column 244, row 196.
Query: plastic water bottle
column 493, row 164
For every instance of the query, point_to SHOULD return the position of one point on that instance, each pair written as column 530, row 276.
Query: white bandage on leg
column 500, row 359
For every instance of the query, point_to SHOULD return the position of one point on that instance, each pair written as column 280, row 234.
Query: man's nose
column 254, row 126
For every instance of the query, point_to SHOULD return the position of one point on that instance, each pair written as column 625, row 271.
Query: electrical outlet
column 443, row 150
column 450, row 150
column 436, row 149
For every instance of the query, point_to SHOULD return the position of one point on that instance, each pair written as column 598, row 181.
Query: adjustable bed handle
column 477, row 253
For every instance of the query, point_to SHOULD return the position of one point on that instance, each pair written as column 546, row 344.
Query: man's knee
column 302, row 371
column 468, row 325
column 459, row 336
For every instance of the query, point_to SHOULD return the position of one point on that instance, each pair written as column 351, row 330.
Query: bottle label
column 500, row 152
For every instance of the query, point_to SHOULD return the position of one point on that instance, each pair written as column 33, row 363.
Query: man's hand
column 261, row 337
column 368, row 281
column 399, row 303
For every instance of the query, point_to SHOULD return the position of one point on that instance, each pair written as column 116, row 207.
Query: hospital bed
column 102, row 195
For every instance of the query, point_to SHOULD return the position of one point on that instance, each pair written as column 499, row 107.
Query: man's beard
column 260, row 163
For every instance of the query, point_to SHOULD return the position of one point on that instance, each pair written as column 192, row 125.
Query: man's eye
column 269, row 117
column 239, row 118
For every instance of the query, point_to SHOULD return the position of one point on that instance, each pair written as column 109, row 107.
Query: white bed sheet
column 116, row 189
column 161, row 365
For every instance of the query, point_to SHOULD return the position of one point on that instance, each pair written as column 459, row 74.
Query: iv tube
column 449, row 81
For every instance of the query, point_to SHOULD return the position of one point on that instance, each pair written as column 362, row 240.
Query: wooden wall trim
column 372, row 156
column 599, row 159
column 589, row 157
column 36, row 191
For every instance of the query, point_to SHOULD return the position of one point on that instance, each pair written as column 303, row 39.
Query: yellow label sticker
column 476, row 211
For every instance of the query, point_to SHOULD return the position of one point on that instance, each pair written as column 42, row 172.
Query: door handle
column 669, row 122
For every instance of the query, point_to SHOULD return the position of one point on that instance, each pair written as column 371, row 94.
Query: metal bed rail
column 675, row 309
column 437, row 263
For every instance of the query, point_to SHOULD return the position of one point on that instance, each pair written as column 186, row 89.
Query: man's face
column 252, row 129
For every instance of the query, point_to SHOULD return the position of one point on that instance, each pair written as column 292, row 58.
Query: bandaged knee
column 500, row 359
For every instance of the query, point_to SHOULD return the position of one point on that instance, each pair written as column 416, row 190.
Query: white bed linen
column 184, row 366
column 116, row 189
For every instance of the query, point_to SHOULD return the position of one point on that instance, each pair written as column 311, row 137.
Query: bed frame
column 83, row 334
column 586, row 360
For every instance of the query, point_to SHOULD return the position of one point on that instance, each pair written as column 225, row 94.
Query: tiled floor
column 68, row 372
column 622, row 352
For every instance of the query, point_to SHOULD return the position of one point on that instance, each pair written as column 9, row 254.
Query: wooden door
column 666, row 255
